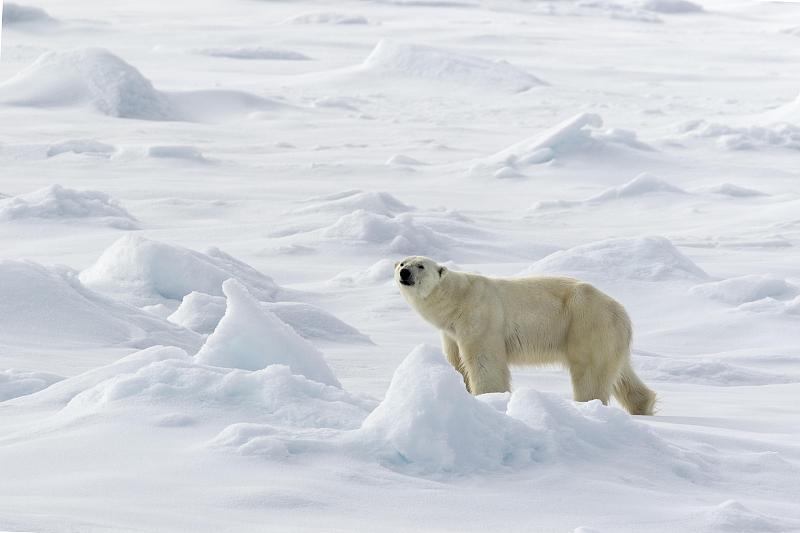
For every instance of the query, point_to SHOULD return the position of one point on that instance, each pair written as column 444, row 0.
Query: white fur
column 488, row 324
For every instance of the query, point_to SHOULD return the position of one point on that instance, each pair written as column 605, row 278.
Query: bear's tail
column 632, row 393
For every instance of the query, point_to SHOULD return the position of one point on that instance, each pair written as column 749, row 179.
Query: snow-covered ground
column 201, row 203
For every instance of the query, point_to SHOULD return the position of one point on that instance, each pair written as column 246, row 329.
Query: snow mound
column 402, row 234
column 707, row 372
column 312, row 322
column 732, row 516
column 86, row 76
column 254, row 52
column 735, row 191
column 81, row 146
column 97, row 78
column 250, row 337
column 380, row 203
column 428, row 423
column 202, row 312
column 47, row 306
column 199, row 312
column 777, row 135
column 574, row 135
column 15, row 383
column 671, row 6
column 167, row 387
column 744, row 289
column 183, row 153
column 145, row 272
column 327, row 18
column 59, row 204
column 643, row 259
column 642, row 185
column 377, row 273
column 20, row 15
column 404, row 160
column 420, row 62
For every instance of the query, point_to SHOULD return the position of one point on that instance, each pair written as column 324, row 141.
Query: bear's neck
column 437, row 308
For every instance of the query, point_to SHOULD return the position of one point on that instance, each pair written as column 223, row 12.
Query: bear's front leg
column 486, row 365
column 450, row 348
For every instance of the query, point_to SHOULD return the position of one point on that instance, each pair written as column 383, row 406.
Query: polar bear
column 487, row 324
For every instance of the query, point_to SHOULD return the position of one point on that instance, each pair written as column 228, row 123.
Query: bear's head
column 417, row 276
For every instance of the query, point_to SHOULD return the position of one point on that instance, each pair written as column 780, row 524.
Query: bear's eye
column 420, row 267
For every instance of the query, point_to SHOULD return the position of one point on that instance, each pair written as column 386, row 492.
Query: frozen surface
column 201, row 205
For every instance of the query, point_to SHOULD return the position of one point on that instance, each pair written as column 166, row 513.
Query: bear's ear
column 396, row 263
column 441, row 271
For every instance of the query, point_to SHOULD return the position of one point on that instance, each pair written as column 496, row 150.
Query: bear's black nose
column 405, row 273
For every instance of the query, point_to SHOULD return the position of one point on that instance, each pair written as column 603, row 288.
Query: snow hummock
column 202, row 312
column 573, row 135
column 254, row 52
column 429, row 423
column 56, row 203
column 15, row 15
column 97, row 78
column 81, row 146
column 744, row 137
column 744, row 289
column 401, row 234
column 671, row 6
column 15, row 383
column 326, row 18
column 251, row 338
column 146, row 272
column 422, row 62
column 380, row 203
column 180, row 152
column 403, row 160
column 642, row 185
column 645, row 259
column 42, row 305
column 735, row 191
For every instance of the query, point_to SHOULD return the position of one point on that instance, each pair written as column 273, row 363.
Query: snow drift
column 380, row 203
column 404, row 61
column 253, row 53
column 250, row 337
column 145, row 272
column 202, row 312
column 96, row 78
column 81, row 146
column 642, row 259
column 21, row 16
column 575, row 135
column 15, row 383
column 642, row 185
column 49, row 306
column 57, row 203
column 744, row 289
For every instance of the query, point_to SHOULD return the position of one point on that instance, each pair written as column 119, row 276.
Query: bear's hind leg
column 591, row 382
column 486, row 366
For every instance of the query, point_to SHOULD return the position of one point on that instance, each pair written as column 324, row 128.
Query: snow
column 146, row 272
column 60, row 203
column 671, row 6
column 113, row 87
column 251, row 338
column 744, row 289
column 42, row 305
column 254, row 52
column 15, row 15
column 641, row 259
column 150, row 381
column 412, row 61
